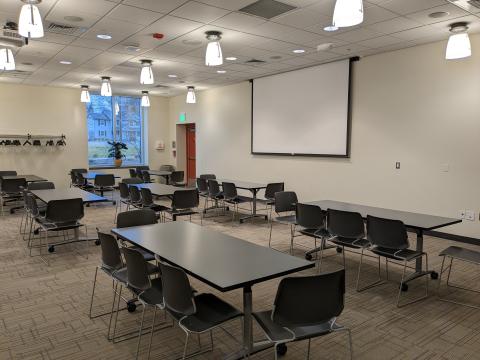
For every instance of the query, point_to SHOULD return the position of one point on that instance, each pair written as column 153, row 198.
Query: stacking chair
column 208, row 176
column 79, row 170
column 41, row 185
column 124, row 197
column 389, row 239
column 285, row 205
column 11, row 191
column 270, row 191
column 135, row 196
column 167, row 168
column 145, row 175
column 230, row 195
column 165, row 180
column 459, row 254
column 147, row 202
column 133, row 173
column 141, row 168
column 73, row 175
column 305, row 308
column 82, row 183
column 202, row 187
column 177, row 179
column 215, row 194
column 184, row 203
column 105, row 182
column 195, row 313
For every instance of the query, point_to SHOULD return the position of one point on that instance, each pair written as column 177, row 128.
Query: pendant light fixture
column 145, row 99
column 213, row 55
column 85, row 94
column 191, row 98
column 7, row 62
column 146, row 76
column 458, row 46
column 30, row 21
column 106, row 89
column 347, row 13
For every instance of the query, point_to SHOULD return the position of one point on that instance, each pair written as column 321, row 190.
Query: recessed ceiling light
column 330, row 28
column 65, row 62
column 132, row 48
column 438, row 14
column 221, row 71
column 104, row 36
column 298, row 51
column 73, row 18
column 324, row 47
column 231, row 58
column 172, row 76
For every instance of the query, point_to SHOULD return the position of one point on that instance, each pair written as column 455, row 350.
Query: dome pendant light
column 213, row 55
column 7, row 62
column 30, row 21
column 145, row 99
column 106, row 89
column 191, row 98
column 458, row 46
column 85, row 94
column 146, row 76
column 348, row 13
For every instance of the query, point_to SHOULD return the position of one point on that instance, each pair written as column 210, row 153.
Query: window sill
column 114, row 167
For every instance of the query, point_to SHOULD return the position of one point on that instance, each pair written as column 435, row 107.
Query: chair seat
column 157, row 207
column 397, row 254
column 58, row 226
column 180, row 212
column 315, row 232
column 460, row 253
column 211, row 312
column 154, row 295
column 277, row 332
column 286, row 219
column 351, row 243
column 239, row 200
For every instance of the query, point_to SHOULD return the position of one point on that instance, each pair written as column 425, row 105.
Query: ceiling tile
column 403, row 7
column 237, row 21
column 451, row 10
column 394, row 25
column 163, row 6
column 199, row 12
column 134, row 15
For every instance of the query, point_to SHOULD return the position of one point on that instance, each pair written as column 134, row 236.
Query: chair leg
column 350, row 343
column 140, row 331
column 343, row 253
column 116, row 313
column 377, row 282
column 270, row 236
column 308, row 349
column 322, row 246
column 185, row 347
column 151, row 332
column 401, row 282
column 112, row 311
column 93, row 291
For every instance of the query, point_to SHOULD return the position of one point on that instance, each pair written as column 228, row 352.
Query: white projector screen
column 303, row 112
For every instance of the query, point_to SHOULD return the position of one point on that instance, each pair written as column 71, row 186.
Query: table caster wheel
column 51, row 249
column 404, row 287
column 308, row 257
column 97, row 242
column 339, row 250
column 434, row 275
column 131, row 307
column 282, row 349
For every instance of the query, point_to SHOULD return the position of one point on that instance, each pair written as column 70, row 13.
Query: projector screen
column 303, row 112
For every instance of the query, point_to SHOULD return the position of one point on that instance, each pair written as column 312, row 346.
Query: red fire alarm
column 157, row 36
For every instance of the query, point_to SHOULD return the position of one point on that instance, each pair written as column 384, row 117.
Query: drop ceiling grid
column 389, row 24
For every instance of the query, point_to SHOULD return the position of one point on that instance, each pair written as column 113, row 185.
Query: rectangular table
column 254, row 188
column 69, row 193
column 415, row 221
column 160, row 189
column 91, row 175
column 28, row 178
column 163, row 173
column 219, row 260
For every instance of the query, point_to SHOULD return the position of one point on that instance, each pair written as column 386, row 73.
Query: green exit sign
column 182, row 117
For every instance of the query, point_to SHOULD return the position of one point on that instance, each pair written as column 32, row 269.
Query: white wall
column 51, row 111
column 409, row 105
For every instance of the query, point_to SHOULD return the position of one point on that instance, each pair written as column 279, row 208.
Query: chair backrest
column 137, row 271
column 387, row 233
column 309, row 300
column 80, row 179
column 146, row 176
column 132, row 180
column 140, row 169
column 310, row 216
column 273, row 188
column 213, row 187
column 135, row 196
column 177, row 176
column 202, row 185
column 229, row 190
column 167, row 168
column 124, row 191
column 177, row 292
column 208, row 176
column 136, row 218
column 185, row 199
column 147, row 198
column 285, row 201
column 41, row 185
column 104, row 180
column 111, row 256
column 133, row 173
column 13, row 185
column 63, row 211
column 80, row 170
column 8, row 173
column 345, row 224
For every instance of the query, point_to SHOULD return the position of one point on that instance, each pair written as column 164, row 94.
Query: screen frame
column 349, row 116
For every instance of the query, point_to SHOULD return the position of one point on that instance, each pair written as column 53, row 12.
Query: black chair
column 165, row 179
column 145, row 175
column 311, row 220
column 215, row 194
column 104, row 182
column 140, row 168
column 135, row 196
column 270, row 191
column 389, row 239
column 73, row 175
column 208, row 176
column 184, row 203
column 124, row 197
column 82, row 182
column 11, row 191
column 133, row 173
column 177, row 179
column 196, row 314
column 305, row 308
column 167, row 168
column 41, row 185
column 230, row 195
column 147, row 202
column 79, row 170
column 202, row 187
column 347, row 229
column 285, row 205
column 138, row 218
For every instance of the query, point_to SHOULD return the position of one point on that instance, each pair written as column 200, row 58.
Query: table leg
column 254, row 208
column 419, row 263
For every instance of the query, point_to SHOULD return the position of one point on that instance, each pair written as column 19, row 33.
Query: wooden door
column 191, row 154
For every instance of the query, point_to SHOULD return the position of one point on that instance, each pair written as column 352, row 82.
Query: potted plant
column 115, row 151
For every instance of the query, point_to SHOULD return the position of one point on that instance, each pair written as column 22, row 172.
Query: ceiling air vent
column 475, row 3
column 466, row 4
column 254, row 62
column 165, row 87
column 9, row 37
column 65, row 29
column 17, row 73
column 267, row 9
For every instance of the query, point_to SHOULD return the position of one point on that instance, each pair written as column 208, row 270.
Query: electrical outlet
column 470, row 215
column 397, row 165
column 461, row 214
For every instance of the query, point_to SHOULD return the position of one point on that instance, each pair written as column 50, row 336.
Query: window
column 116, row 118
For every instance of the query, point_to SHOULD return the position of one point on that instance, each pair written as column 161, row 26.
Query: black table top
column 91, row 175
column 159, row 172
column 160, row 189
column 28, row 178
column 222, row 261
column 246, row 185
column 69, row 193
column 410, row 219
